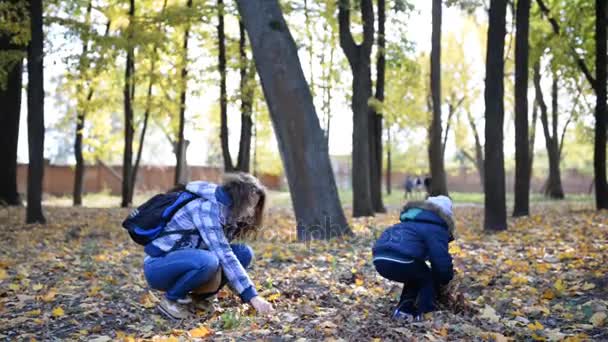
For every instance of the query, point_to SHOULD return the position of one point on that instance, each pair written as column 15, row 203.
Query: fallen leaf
column 102, row 338
column 58, row 312
column 3, row 274
column 490, row 314
column 536, row 326
column 49, row 296
column 598, row 319
column 200, row 332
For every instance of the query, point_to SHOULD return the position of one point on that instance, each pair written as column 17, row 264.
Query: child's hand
column 261, row 305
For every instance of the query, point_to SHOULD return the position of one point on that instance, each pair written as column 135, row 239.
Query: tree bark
column 495, row 217
column 247, row 70
column 376, row 116
column 35, row 115
column 601, row 114
column 521, row 206
column 478, row 161
column 10, row 112
column 181, row 166
column 532, row 139
column 129, row 96
column 389, row 167
column 301, row 143
column 438, row 177
column 80, row 118
column 553, row 188
column 359, row 59
column 221, row 39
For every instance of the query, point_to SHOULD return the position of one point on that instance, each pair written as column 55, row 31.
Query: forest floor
column 80, row 278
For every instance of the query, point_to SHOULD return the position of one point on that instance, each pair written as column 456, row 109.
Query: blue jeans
column 184, row 270
column 418, row 284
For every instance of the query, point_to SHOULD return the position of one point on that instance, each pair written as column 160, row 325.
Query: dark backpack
column 147, row 222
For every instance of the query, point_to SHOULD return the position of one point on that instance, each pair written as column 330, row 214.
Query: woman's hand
column 261, row 305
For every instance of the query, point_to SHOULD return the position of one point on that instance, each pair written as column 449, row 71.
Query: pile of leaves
column 80, row 278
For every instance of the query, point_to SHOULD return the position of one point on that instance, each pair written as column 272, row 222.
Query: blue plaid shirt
column 208, row 215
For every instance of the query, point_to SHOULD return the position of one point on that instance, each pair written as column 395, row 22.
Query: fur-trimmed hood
column 425, row 205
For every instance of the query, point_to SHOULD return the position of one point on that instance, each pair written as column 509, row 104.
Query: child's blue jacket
column 423, row 234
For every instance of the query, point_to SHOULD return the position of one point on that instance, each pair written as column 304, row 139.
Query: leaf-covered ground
column 80, row 278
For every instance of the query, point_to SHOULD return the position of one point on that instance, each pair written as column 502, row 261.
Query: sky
column 158, row 151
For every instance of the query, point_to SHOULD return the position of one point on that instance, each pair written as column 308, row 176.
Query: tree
column 12, row 51
column 359, row 59
column 129, row 97
column 438, row 183
column 221, row 40
column 35, row 115
column 494, row 180
column 601, row 114
column 246, row 87
column 521, row 205
column 301, row 143
column 553, row 188
column 376, row 116
column 181, row 174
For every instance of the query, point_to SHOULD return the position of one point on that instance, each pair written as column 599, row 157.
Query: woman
column 198, row 254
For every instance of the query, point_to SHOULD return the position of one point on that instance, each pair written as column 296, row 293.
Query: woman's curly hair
column 242, row 187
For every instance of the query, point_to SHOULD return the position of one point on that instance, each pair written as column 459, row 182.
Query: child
column 400, row 254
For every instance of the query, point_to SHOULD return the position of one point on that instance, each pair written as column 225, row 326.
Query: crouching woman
column 194, row 254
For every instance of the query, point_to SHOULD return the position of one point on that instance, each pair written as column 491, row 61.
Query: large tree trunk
column 247, row 70
column 438, row 178
column 495, row 216
column 80, row 118
column 35, row 115
column 10, row 112
column 221, row 39
column 358, row 56
column 553, row 188
column 376, row 116
column 521, row 206
column 129, row 96
column 181, row 167
column 601, row 114
column 305, row 157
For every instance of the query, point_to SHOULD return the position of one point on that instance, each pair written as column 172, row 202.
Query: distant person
column 401, row 252
column 408, row 186
column 427, row 185
column 191, row 253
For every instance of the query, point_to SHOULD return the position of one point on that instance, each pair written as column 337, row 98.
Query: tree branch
column 556, row 29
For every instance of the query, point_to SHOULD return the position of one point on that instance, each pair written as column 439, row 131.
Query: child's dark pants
column 417, row 282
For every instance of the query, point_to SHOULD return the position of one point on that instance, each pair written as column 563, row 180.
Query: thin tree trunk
column 438, row 177
column 35, row 115
column 376, row 116
column 451, row 111
column 247, row 70
column 129, row 96
column 521, row 205
column 532, row 140
column 495, row 216
column 601, row 114
column 305, row 157
column 221, row 38
column 479, row 162
column 181, row 166
column 359, row 59
column 389, row 167
column 553, row 188
column 309, row 48
column 80, row 117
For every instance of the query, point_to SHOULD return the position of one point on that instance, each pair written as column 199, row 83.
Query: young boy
column 401, row 253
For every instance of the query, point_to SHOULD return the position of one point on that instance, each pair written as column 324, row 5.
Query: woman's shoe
column 173, row 309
